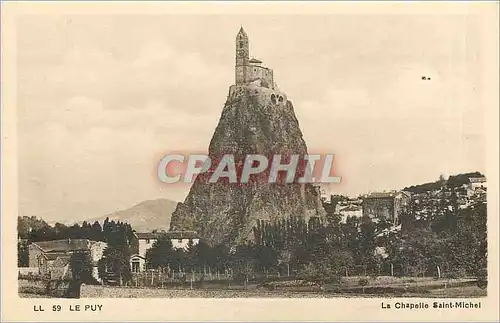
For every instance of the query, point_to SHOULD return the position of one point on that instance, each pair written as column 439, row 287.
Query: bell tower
column 242, row 56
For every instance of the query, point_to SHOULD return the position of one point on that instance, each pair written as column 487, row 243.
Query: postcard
column 244, row 161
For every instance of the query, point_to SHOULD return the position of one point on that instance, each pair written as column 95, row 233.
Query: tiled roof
column 351, row 208
column 254, row 60
column 55, row 255
column 63, row 245
column 406, row 193
column 170, row 234
column 147, row 235
column 61, row 261
column 381, row 195
column 183, row 235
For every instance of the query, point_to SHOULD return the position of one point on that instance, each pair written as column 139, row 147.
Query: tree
column 81, row 268
column 366, row 238
column 115, row 262
column 221, row 257
column 340, row 260
column 96, row 232
column 418, row 253
column 42, row 234
column 160, row 254
column 244, row 263
column 267, row 258
column 61, row 231
column 22, row 254
column 285, row 258
column 468, row 246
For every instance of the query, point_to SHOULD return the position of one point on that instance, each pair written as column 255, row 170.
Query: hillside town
column 52, row 253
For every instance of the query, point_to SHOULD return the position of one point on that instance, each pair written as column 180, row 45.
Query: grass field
column 117, row 292
column 390, row 287
column 348, row 287
column 469, row 292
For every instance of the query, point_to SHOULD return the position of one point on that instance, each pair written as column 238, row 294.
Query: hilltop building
column 248, row 69
column 385, row 205
column 476, row 184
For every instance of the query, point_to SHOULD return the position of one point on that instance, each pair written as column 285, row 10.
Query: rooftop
column 381, row 195
column 477, row 179
column 170, row 234
column 55, row 255
column 65, row 245
column 351, row 208
column 242, row 31
column 389, row 194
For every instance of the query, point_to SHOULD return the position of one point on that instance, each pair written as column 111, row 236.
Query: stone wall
column 33, row 253
column 28, row 271
column 255, row 72
column 52, row 288
column 381, row 208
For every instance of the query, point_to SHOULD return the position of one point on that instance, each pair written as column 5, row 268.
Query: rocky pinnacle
column 254, row 120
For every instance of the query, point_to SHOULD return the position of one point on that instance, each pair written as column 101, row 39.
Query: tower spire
column 242, row 31
column 242, row 56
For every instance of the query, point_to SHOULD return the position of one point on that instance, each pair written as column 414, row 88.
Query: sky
column 102, row 98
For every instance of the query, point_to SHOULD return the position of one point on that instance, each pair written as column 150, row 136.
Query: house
column 476, row 183
column 385, row 205
column 53, row 257
column 144, row 241
column 350, row 211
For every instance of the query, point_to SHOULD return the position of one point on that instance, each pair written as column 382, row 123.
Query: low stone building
column 476, row 184
column 53, row 257
column 350, row 211
column 145, row 240
column 385, row 205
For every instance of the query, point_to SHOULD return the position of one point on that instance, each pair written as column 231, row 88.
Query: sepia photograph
column 256, row 152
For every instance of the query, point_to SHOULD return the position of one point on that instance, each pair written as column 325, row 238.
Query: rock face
column 255, row 120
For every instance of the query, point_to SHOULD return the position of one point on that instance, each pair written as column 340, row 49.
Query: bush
column 240, row 278
column 482, row 281
column 363, row 282
column 482, row 278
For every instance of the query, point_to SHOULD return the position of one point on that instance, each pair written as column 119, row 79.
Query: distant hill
column 452, row 181
column 145, row 216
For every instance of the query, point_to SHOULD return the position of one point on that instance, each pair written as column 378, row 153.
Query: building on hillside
column 248, row 69
column 476, row 183
column 144, row 241
column 385, row 205
column 53, row 257
column 350, row 211
column 338, row 202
